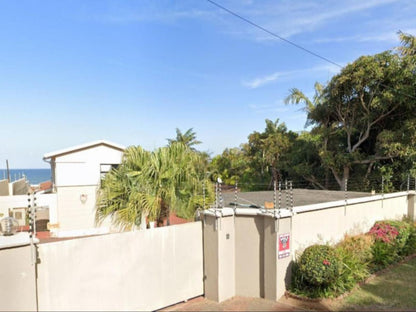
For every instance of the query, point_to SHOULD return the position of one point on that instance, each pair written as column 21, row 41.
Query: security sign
column 284, row 245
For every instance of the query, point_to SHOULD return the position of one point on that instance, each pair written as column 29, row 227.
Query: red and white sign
column 284, row 245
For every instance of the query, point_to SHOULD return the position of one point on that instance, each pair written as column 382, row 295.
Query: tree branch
column 372, row 160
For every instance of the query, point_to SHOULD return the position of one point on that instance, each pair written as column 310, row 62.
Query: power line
column 274, row 34
column 294, row 44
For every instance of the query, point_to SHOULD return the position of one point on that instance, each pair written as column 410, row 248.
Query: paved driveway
column 247, row 304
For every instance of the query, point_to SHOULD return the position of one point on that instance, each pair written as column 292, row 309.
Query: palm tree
column 188, row 138
column 148, row 183
column 296, row 96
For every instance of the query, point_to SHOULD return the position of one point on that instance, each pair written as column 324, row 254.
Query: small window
column 105, row 168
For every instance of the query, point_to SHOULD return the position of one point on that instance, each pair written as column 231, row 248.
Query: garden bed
column 324, row 271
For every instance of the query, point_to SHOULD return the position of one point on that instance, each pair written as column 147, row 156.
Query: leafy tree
column 269, row 148
column 260, row 161
column 363, row 112
column 304, row 162
column 188, row 138
column 148, row 184
column 230, row 166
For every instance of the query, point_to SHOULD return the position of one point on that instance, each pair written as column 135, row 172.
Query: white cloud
column 270, row 78
column 287, row 18
column 260, row 81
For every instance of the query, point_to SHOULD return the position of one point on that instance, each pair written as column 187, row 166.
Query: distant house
column 76, row 177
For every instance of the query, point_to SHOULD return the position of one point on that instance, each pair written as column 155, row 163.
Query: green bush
column 319, row 265
column 355, row 254
column 324, row 271
column 383, row 255
column 393, row 241
column 316, row 272
column 404, row 229
column 410, row 247
column 385, row 248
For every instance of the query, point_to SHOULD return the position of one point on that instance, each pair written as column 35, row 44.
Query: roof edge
column 83, row 146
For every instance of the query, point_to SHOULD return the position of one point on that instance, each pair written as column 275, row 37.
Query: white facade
column 76, row 174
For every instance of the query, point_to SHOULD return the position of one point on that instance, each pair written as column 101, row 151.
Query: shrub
column 384, row 250
column 393, row 240
column 410, row 247
column 324, row 271
column 319, row 265
column 355, row 254
column 358, row 246
column 401, row 240
column 316, row 272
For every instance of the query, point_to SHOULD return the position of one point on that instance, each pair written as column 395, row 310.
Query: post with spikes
column 286, row 195
column 382, row 192
column 408, row 183
column 203, row 194
column 220, row 193
column 216, row 194
column 235, row 197
column 276, row 222
column 31, row 207
column 280, row 197
column 346, row 196
column 34, row 214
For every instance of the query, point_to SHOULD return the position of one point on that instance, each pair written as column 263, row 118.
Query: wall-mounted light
column 83, row 198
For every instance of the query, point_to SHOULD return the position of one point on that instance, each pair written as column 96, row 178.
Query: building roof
column 298, row 197
column 83, row 147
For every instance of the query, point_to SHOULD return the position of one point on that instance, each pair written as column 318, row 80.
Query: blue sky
column 132, row 71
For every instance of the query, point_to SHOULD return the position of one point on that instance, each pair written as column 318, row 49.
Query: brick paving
column 247, row 304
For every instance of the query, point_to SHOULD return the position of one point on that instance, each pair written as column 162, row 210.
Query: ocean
column 35, row 176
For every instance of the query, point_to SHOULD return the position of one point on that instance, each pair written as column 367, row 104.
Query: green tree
column 363, row 112
column 270, row 148
column 231, row 166
column 188, row 138
column 148, row 184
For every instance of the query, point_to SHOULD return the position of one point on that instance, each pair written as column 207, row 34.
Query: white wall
column 73, row 214
column 83, row 167
column 20, row 187
column 78, row 174
column 17, row 280
column 20, row 201
column 142, row 270
column 4, row 187
column 329, row 222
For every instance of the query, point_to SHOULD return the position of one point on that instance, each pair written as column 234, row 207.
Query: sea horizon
column 33, row 175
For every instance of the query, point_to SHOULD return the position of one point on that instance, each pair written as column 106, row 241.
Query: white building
column 76, row 178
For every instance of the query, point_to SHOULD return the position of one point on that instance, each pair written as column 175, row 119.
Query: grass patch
column 394, row 289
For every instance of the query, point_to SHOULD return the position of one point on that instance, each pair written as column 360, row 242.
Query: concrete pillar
column 411, row 206
column 283, row 272
column 270, row 259
column 219, row 258
column 276, row 270
column 249, row 256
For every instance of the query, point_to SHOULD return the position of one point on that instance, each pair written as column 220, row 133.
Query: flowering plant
column 326, row 262
column 384, row 232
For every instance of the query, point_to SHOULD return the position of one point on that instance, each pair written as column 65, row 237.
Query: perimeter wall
column 255, row 269
column 223, row 256
column 142, row 271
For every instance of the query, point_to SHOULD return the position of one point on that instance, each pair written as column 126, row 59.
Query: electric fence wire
column 295, row 44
